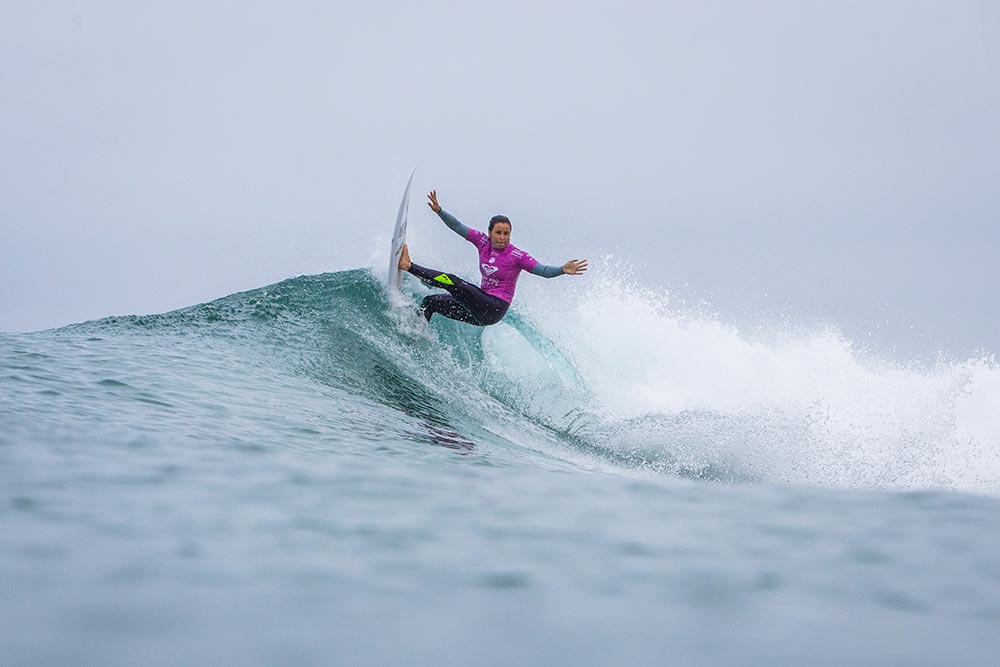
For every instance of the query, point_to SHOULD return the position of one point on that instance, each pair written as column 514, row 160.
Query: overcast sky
column 830, row 161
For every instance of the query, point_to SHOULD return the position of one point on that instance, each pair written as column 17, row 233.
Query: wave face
column 611, row 378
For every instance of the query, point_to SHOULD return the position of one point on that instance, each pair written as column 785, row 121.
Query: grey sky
column 834, row 161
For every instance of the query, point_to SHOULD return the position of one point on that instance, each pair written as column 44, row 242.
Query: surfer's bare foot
column 404, row 259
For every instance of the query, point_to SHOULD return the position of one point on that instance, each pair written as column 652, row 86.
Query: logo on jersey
column 488, row 269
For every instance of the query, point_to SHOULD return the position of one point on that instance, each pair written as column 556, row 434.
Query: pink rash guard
column 500, row 268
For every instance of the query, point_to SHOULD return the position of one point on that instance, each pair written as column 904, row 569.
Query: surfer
column 500, row 263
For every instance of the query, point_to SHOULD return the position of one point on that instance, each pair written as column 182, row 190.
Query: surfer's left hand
column 574, row 267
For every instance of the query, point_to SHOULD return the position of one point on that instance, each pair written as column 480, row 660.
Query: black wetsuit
column 464, row 302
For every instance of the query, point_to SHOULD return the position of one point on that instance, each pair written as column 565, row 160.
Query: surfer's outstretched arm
column 453, row 223
column 573, row 267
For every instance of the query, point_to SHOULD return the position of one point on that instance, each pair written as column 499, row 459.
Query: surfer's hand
column 433, row 203
column 574, row 267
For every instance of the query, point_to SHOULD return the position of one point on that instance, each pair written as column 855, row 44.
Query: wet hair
column 499, row 218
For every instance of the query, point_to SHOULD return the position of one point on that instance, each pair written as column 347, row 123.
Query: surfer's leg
column 448, row 306
column 483, row 308
column 486, row 308
column 432, row 277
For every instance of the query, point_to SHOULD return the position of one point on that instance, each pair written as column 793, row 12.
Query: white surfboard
column 399, row 238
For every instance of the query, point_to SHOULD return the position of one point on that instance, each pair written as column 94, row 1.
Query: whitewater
column 308, row 473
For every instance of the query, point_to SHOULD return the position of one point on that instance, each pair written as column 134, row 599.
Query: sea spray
column 686, row 393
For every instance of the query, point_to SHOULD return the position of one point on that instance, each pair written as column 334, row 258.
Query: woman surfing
column 500, row 264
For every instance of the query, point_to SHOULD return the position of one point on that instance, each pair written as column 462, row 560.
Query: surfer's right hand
column 433, row 203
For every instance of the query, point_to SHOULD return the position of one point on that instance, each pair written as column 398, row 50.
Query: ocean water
column 307, row 474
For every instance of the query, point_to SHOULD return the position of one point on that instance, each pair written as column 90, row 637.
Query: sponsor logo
column 489, row 270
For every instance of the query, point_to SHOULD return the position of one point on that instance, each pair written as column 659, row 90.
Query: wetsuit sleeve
column 454, row 224
column 477, row 238
column 546, row 271
column 529, row 263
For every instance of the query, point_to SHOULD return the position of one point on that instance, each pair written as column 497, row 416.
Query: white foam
column 808, row 408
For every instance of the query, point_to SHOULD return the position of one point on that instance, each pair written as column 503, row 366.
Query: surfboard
column 399, row 238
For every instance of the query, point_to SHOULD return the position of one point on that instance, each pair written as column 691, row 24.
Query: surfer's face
column 500, row 235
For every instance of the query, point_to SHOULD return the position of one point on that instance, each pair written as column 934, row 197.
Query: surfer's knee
column 428, row 306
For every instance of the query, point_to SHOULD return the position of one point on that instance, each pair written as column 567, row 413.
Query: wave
column 616, row 376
